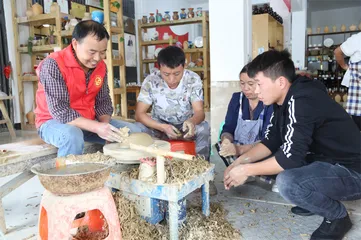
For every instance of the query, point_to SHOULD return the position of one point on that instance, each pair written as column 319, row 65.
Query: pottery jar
column 190, row 13
column 326, row 29
column 158, row 17
column 334, row 29
column 167, row 16
column 343, row 27
column 183, row 14
column 199, row 12
column 151, row 18
column 309, row 30
column 54, row 7
column 144, row 19
column 175, row 15
column 37, row 9
column 353, row 27
column 318, row 30
column 359, row 26
column 86, row 16
column 29, row 12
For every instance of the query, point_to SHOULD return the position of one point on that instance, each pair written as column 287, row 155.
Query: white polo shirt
column 352, row 48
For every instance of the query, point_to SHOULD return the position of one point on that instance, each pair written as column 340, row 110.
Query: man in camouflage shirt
column 176, row 97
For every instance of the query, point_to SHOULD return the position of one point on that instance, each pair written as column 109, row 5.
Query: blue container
column 98, row 16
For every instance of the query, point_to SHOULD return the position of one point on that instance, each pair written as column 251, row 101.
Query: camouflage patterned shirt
column 171, row 105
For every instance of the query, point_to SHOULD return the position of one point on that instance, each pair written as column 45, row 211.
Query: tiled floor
column 253, row 209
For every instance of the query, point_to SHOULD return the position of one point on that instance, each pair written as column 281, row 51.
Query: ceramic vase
column 175, row 15
column 166, row 16
column 54, row 7
column 343, row 27
column 151, row 18
column 199, row 12
column 334, row 29
column 37, row 9
column 190, row 13
column 144, row 19
column 326, row 29
column 86, row 16
column 183, row 14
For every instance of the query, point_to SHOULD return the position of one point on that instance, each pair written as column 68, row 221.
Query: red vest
column 81, row 99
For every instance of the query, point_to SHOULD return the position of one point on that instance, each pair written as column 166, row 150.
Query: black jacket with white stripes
column 310, row 126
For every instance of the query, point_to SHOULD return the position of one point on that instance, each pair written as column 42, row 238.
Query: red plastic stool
column 188, row 147
column 57, row 213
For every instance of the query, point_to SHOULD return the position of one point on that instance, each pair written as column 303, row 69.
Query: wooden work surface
column 23, row 155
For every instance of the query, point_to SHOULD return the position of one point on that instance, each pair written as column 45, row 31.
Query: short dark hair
column 171, row 57
column 273, row 64
column 245, row 68
column 90, row 27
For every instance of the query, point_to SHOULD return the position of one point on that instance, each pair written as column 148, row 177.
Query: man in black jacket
column 315, row 146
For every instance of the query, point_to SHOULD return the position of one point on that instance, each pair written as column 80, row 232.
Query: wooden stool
column 57, row 213
column 5, row 114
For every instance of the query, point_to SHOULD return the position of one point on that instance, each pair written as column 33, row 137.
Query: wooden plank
column 150, row 60
column 39, row 49
column 116, row 30
column 157, row 42
column 174, row 22
column 196, row 69
column 195, row 50
column 6, row 98
column 206, row 74
column 29, row 78
column 3, row 121
column 140, row 40
column 118, row 90
column 15, row 183
column 123, row 97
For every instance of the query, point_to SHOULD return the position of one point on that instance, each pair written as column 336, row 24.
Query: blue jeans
column 319, row 187
column 70, row 139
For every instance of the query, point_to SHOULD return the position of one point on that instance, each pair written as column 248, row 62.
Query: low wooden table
column 5, row 114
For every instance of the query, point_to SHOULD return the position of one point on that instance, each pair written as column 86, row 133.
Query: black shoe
column 332, row 230
column 301, row 211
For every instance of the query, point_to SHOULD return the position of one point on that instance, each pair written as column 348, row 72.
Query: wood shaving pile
column 197, row 226
column 97, row 157
column 178, row 171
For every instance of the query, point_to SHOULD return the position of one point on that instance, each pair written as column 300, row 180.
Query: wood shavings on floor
column 197, row 226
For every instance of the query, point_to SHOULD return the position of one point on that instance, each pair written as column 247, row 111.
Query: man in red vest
column 73, row 102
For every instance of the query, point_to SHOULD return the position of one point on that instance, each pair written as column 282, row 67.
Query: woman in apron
column 246, row 121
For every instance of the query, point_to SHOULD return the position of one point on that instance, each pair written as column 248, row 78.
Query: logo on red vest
column 98, row 81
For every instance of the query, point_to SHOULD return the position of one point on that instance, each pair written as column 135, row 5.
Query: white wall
column 298, row 41
column 25, row 62
column 229, row 35
column 334, row 17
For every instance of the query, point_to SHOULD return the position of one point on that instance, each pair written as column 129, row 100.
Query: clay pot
column 144, row 19
column 309, row 30
column 190, row 13
column 359, row 26
column 343, row 28
column 318, row 30
column 353, row 27
column 151, row 18
column 175, row 15
column 334, row 29
column 37, row 9
column 54, row 7
column 30, row 116
column 183, row 14
column 326, row 29
column 29, row 13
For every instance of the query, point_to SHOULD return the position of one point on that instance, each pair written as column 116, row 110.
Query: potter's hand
column 189, row 129
column 108, row 132
column 228, row 149
column 235, row 177
column 170, row 131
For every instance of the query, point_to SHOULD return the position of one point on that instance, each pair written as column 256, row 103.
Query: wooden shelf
column 332, row 33
column 149, row 60
column 39, row 49
column 67, row 33
column 196, row 69
column 174, row 22
column 41, row 19
column 193, row 50
column 118, row 91
column 29, row 78
column 157, row 42
column 117, row 62
column 116, row 30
